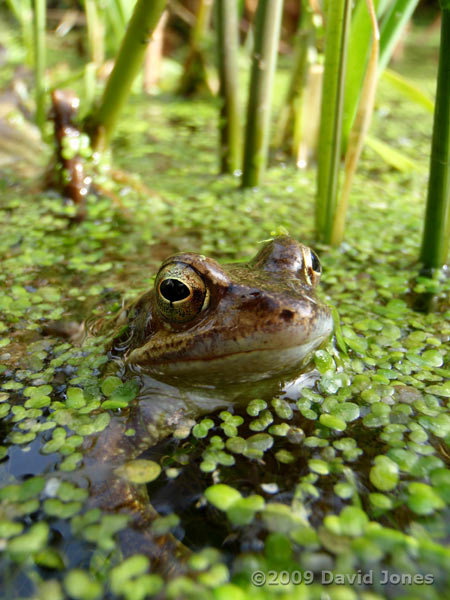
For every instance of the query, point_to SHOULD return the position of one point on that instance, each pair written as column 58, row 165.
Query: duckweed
column 130, row 568
column 222, row 496
column 82, row 586
column 263, row 421
column 64, row 510
column 109, row 384
column 140, row 471
column 345, row 473
column 422, row 499
column 333, row 422
column 75, row 398
column 319, row 466
column 31, row 541
column 384, row 474
column 122, row 395
column 10, row 528
column 71, row 462
column 254, row 407
column 242, row 512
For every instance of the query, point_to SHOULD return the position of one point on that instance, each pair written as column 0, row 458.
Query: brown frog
column 202, row 338
column 206, row 324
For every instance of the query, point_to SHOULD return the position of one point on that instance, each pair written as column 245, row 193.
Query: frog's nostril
column 287, row 315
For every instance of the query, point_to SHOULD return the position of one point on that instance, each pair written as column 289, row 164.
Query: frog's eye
column 315, row 263
column 311, row 266
column 180, row 292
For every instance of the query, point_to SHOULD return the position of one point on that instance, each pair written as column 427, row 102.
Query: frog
column 206, row 336
column 207, row 324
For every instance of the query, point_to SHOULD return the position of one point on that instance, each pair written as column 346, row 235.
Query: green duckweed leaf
column 260, row 442
column 75, row 398
column 242, row 512
column 318, row 466
column 49, row 559
column 139, row 471
column 71, row 462
column 142, row 587
column 353, row 521
column 31, row 541
column 81, row 586
column 332, row 422
column 163, row 525
column 63, row 510
column 10, row 528
column 422, row 499
column 285, row 457
column 130, row 568
column 123, row 394
column 384, row 474
column 254, row 407
column 109, row 384
column 324, row 361
column 222, row 496
column 380, row 501
column 347, row 411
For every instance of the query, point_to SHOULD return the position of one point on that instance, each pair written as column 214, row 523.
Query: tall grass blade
column 393, row 157
column 396, row 15
column 267, row 33
column 116, row 18
column 90, row 88
column 230, row 116
column 40, row 14
column 435, row 241
column 359, row 130
column 409, row 89
column 391, row 28
column 338, row 25
column 95, row 31
column 143, row 21
column 195, row 75
column 23, row 12
column 292, row 104
column 307, row 119
column 359, row 49
column 154, row 56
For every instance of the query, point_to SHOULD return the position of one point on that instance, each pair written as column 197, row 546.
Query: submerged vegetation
column 342, row 488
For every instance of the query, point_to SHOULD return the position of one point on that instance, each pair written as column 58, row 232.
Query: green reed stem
column 143, row 21
column 39, row 60
column 290, row 113
column 230, row 117
column 95, row 30
column 23, row 11
column 391, row 29
column 338, row 25
column 435, row 241
column 267, row 33
column 195, row 76
column 358, row 55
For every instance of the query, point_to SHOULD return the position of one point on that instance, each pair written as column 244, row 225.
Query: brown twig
column 70, row 174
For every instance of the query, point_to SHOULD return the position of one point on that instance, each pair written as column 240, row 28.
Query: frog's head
column 208, row 324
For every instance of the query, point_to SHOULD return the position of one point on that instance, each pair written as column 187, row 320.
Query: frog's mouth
column 274, row 356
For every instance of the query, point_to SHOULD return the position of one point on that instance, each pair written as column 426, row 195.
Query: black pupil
column 174, row 290
column 315, row 263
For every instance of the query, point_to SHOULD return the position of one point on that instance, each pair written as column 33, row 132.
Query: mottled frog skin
column 204, row 337
column 207, row 324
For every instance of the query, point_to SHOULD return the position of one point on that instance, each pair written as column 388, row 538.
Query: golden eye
column 311, row 266
column 181, row 294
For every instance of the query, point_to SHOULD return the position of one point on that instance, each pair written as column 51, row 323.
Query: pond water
column 346, row 474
